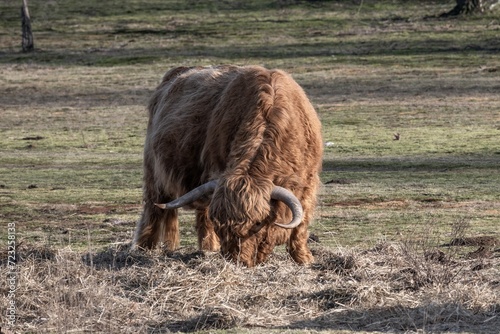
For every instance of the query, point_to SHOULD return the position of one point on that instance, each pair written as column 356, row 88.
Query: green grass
column 73, row 112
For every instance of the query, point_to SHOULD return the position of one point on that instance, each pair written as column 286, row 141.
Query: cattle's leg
column 157, row 225
column 207, row 239
column 297, row 246
column 171, row 230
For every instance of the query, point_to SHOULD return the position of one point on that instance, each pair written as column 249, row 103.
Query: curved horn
column 278, row 193
column 190, row 197
column 286, row 196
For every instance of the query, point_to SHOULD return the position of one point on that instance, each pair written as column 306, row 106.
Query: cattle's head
column 241, row 205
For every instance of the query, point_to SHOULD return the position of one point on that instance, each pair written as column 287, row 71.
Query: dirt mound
column 486, row 245
column 484, row 240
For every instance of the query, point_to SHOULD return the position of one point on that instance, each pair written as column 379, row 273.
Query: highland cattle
column 242, row 147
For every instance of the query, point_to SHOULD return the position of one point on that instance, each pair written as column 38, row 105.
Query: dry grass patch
column 398, row 287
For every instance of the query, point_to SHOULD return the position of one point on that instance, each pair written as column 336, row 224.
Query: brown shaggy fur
column 249, row 127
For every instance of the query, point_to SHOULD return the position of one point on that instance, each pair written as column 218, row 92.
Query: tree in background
column 27, row 42
column 466, row 7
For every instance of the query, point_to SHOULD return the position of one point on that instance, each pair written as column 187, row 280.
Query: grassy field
column 72, row 125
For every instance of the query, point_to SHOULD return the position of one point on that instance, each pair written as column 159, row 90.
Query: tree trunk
column 27, row 42
column 465, row 7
